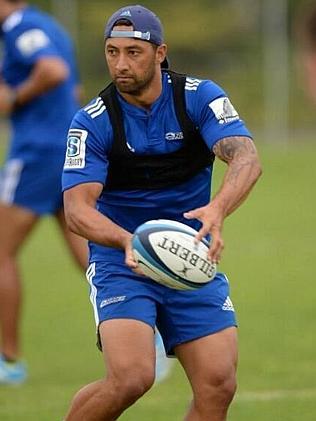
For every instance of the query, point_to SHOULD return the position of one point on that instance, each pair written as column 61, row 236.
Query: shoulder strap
column 109, row 97
column 178, row 85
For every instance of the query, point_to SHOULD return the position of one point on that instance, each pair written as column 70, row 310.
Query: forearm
column 242, row 172
column 46, row 75
column 91, row 224
column 238, row 182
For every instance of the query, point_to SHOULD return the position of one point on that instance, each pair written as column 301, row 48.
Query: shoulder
column 23, row 20
column 202, row 88
column 93, row 117
column 27, row 30
column 200, row 94
column 199, row 90
column 94, row 109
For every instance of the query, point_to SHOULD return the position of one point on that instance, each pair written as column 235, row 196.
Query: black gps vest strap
column 128, row 170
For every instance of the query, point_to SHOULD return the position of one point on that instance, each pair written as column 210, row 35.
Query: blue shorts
column 181, row 316
column 33, row 183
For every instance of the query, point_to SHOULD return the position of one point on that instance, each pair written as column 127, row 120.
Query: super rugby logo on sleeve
column 76, row 149
column 223, row 110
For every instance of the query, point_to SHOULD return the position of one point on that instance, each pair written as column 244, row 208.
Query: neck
column 148, row 95
column 8, row 8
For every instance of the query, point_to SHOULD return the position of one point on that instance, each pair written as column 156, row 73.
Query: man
column 306, row 37
column 134, row 154
column 38, row 91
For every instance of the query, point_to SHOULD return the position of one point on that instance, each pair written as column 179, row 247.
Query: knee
column 132, row 385
column 227, row 388
column 219, row 388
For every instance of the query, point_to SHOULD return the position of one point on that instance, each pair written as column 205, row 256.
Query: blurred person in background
column 39, row 92
column 305, row 28
column 144, row 149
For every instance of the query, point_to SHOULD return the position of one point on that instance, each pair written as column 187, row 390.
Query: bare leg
column 210, row 364
column 15, row 224
column 128, row 349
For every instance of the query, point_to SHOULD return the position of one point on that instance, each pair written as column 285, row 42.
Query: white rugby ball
column 167, row 253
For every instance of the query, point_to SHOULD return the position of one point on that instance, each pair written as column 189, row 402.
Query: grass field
column 270, row 258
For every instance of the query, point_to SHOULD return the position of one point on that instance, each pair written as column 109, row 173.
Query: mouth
column 123, row 78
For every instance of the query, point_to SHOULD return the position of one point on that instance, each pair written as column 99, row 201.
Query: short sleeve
column 28, row 45
column 86, row 155
column 215, row 115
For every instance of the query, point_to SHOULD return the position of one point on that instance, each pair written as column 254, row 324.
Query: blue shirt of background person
column 29, row 35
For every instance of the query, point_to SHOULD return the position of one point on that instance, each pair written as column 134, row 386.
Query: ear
column 161, row 53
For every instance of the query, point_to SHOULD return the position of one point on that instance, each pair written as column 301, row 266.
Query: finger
column 189, row 215
column 216, row 249
column 203, row 232
column 138, row 271
column 193, row 214
column 131, row 263
column 130, row 260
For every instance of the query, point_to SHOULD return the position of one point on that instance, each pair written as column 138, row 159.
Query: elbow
column 259, row 170
column 59, row 75
column 256, row 171
column 52, row 71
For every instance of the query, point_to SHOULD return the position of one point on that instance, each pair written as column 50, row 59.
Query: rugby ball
column 167, row 253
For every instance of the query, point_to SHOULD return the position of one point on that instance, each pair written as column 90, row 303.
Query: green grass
column 269, row 257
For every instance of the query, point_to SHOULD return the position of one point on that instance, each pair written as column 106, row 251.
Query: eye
column 134, row 53
column 111, row 52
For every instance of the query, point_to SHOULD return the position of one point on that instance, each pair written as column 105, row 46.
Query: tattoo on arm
column 238, row 153
column 231, row 148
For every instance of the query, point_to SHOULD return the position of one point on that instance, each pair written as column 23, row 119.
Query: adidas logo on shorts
column 228, row 305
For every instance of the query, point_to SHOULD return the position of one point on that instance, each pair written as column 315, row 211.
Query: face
column 2, row 10
column 132, row 63
column 7, row 7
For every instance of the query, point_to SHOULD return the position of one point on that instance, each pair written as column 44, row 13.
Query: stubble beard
column 135, row 85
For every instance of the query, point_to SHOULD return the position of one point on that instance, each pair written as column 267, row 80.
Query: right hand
column 130, row 260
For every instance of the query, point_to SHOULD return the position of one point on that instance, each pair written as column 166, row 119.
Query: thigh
column 128, row 346
column 212, row 358
column 188, row 315
column 117, row 293
column 16, row 223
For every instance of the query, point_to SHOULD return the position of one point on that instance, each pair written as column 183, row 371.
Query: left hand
column 6, row 99
column 212, row 217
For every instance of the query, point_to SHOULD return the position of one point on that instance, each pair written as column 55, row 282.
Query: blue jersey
column 153, row 131
column 41, row 124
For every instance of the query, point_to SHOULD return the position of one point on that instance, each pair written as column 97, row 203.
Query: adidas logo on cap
column 126, row 13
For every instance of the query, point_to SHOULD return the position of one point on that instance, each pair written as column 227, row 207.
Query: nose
column 121, row 63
